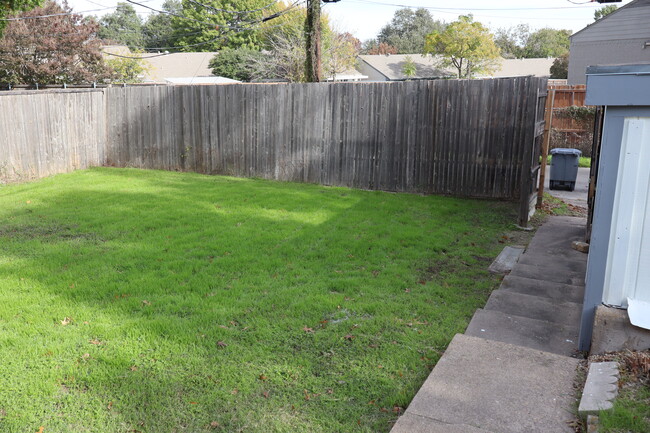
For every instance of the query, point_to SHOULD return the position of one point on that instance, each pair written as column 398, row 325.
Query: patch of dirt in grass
column 44, row 232
column 555, row 206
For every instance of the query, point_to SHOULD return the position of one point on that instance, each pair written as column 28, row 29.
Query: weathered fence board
column 50, row 132
column 459, row 137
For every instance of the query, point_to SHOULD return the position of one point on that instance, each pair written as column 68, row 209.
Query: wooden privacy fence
column 470, row 138
column 47, row 133
column 567, row 131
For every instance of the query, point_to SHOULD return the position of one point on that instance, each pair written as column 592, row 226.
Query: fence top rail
column 50, row 91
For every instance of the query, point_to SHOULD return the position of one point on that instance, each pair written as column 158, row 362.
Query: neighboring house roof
column 163, row 66
column 391, row 66
column 523, row 67
column 624, row 23
column 178, row 65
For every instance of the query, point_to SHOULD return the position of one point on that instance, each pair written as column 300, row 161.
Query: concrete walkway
column 512, row 370
column 577, row 197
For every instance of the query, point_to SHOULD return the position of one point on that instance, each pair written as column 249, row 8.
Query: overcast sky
column 364, row 18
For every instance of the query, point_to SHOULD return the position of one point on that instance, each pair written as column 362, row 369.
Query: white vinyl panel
column 627, row 245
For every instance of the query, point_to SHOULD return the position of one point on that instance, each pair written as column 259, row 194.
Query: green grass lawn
column 149, row 301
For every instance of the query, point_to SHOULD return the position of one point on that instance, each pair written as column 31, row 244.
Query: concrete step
column 560, row 263
column 557, row 291
column 535, row 307
column 548, row 274
column 481, row 386
column 555, row 236
column 524, row 331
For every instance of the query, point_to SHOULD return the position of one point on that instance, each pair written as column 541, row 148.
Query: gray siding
column 605, row 52
column 618, row 38
column 370, row 72
column 629, row 22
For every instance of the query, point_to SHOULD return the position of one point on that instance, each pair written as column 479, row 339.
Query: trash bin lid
column 563, row 151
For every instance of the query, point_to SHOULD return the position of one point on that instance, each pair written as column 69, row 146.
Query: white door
column 627, row 276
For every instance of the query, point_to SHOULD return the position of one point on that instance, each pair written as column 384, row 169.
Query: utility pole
column 313, row 30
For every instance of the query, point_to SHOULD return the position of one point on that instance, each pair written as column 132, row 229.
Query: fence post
column 548, row 120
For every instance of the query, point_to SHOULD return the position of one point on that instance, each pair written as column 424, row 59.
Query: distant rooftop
column 391, row 66
column 164, row 66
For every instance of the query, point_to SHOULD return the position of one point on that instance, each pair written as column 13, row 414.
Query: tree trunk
column 313, row 31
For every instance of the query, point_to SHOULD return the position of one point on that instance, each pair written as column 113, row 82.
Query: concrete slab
column 577, row 197
column 549, row 274
column 523, row 331
column 601, row 388
column 614, row 332
column 555, row 236
column 411, row 423
column 529, row 286
column 556, row 261
column 498, row 387
column 506, row 260
column 535, row 307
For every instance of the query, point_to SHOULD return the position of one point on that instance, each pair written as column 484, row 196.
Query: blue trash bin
column 564, row 168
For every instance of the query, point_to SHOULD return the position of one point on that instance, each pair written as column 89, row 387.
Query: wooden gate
column 532, row 151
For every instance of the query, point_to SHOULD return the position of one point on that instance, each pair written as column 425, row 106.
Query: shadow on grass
column 260, row 306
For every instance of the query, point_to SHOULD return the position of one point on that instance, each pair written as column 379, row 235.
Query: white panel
column 628, row 261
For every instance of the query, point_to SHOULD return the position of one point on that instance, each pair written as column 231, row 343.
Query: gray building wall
column 618, row 38
column 370, row 72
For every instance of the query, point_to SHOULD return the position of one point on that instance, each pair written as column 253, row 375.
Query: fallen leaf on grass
column 262, row 377
column 134, row 368
column 145, row 302
column 306, row 395
column 265, row 394
column 193, row 402
column 221, row 344
column 110, row 405
column 349, row 337
column 66, row 321
column 95, row 341
column 234, row 391
column 214, row 424
column 308, row 330
column 41, row 428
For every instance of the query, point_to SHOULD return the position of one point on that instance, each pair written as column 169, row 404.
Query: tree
column 547, row 43
column 220, row 24
column 408, row 29
column 560, row 67
column 127, row 70
column 60, row 49
column 409, row 69
column 340, row 51
column 123, row 26
column 238, row 64
column 604, row 11
column 466, row 45
column 157, row 31
column 284, row 40
column 9, row 6
column 511, row 41
column 373, row 47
